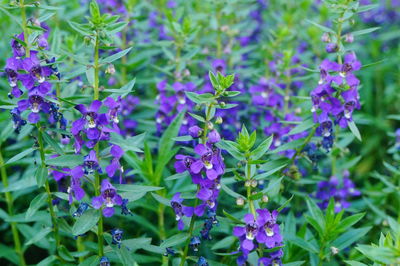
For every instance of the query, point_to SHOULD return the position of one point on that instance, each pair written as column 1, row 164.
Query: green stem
column 10, row 208
column 24, row 27
column 97, row 178
column 96, row 68
column 191, row 228
column 193, row 219
column 47, row 188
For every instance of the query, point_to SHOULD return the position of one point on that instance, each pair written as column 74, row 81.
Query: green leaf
column 82, row 29
column 365, row 31
column 39, row 236
column 91, row 261
column 232, row 218
column 285, row 204
column 86, row 222
column 35, row 204
column 65, row 161
column 354, row 130
column 230, row 192
column 19, row 156
column 183, row 138
column 316, row 213
column 224, row 243
column 166, row 143
column 161, row 200
column 136, row 188
column 200, row 98
column 41, row 175
column 213, row 79
column 326, row 29
column 65, row 254
column 232, row 150
column 385, row 255
column 123, row 91
column 349, row 237
column 303, row 126
column 261, row 149
column 175, row 240
column 114, row 57
column 365, row 8
column 197, row 117
column 349, row 221
column 306, row 245
column 130, row 143
column 52, row 143
column 354, row 263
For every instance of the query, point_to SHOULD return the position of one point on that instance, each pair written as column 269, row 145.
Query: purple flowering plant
column 197, row 165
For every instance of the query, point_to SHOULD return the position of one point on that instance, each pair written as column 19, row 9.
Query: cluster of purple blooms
column 170, row 104
column 206, row 172
column 339, row 190
column 260, row 231
column 336, row 96
column 34, row 73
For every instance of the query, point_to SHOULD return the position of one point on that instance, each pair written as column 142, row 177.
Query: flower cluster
column 340, row 191
column 336, row 96
column 258, row 232
column 27, row 68
column 171, row 104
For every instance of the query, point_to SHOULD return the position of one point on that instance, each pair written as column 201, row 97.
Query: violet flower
column 180, row 210
column 108, row 198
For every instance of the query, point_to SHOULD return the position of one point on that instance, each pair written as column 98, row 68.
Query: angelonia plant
column 182, row 132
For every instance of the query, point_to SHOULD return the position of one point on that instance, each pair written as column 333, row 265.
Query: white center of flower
column 159, row 120
column 177, row 217
column 41, row 79
column 269, row 232
column 249, row 235
column 35, row 108
column 208, row 165
column 181, row 100
column 109, row 203
column 91, row 123
column 347, row 114
column 13, row 83
column 313, row 109
column 326, row 132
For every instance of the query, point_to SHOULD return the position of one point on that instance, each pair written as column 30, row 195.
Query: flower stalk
column 10, row 208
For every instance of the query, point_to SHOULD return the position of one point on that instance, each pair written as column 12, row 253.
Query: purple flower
column 81, row 209
column 35, row 103
column 75, row 190
column 209, row 162
column 116, row 237
column 180, row 210
column 91, row 163
column 246, row 234
column 195, row 131
column 268, row 232
column 331, row 48
column 116, row 152
column 90, row 120
column 108, row 198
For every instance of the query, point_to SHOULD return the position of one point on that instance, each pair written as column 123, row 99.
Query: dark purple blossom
column 108, row 198
column 180, row 210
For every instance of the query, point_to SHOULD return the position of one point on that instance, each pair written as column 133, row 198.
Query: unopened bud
column 240, row 201
column 325, row 37
column 334, row 250
column 186, row 72
column 254, row 183
column 210, row 125
column 224, row 28
column 222, row 104
column 349, row 38
column 87, row 40
column 265, row 199
column 247, row 183
column 331, row 48
column 219, row 120
column 110, row 69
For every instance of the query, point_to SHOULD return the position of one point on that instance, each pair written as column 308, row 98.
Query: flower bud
column 334, row 250
column 210, row 125
column 349, row 38
column 219, row 120
column 247, row 183
column 254, row 183
column 265, row 199
column 224, row 28
column 331, row 48
column 195, row 131
column 325, row 37
column 186, row 72
column 86, row 40
column 222, row 104
column 110, row 69
column 240, row 201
